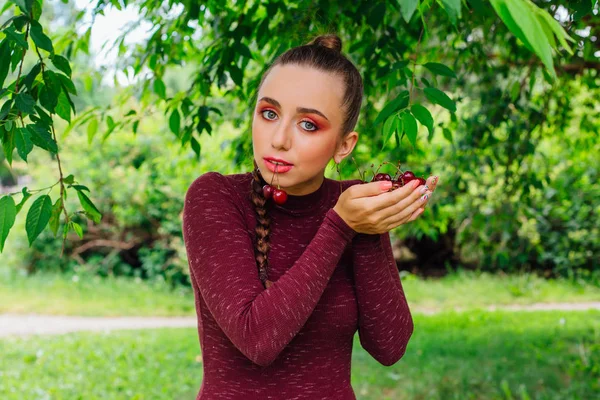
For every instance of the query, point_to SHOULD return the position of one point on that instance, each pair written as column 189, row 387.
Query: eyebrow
column 298, row 109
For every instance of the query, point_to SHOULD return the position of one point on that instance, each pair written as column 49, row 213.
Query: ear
column 345, row 146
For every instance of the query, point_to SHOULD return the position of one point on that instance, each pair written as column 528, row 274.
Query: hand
column 367, row 208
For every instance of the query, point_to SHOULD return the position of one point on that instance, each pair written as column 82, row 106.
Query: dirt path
column 32, row 324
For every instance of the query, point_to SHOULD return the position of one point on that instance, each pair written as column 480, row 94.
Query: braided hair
column 324, row 54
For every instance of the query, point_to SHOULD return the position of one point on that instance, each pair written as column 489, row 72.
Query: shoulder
column 214, row 185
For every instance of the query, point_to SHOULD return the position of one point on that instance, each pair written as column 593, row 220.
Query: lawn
column 469, row 355
column 93, row 296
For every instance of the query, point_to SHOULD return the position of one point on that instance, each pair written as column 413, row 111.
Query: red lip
column 278, row 160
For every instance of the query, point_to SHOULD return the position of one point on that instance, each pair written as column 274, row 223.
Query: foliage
column 465, row 70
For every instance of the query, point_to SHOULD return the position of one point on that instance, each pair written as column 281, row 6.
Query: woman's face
column 297, row 118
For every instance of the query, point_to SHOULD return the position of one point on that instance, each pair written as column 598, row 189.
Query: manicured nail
column 415, row 183
column 424, row 197
column 435, row 179
column 385, row 185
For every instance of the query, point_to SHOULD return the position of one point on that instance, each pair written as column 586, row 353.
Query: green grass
column 91, row 295
column 475, row 355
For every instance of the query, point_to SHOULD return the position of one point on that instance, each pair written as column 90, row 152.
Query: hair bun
column 331, row 41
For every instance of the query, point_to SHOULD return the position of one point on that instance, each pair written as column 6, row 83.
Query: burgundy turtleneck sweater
column 293, row 340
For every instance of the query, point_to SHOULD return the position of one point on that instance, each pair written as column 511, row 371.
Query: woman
column 281, row 288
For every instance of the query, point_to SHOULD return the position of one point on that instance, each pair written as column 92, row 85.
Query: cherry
column 268, row 191
column 407, row 176
column 381, row 177
column 279, row 196
column 421, row 181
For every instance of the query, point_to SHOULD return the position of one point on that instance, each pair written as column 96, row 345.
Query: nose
column 282, row 138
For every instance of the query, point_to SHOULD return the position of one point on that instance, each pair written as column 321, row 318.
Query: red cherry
column 381, row 177
column 421, row 181
column 268, row 191
column 407, row 176
column 279, row 196
column 396, row 184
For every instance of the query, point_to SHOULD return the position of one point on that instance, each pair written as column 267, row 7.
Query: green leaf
column 159, row 88
column 410, row 127
column 63, row 108
column 243, row 50
column 522, row 22
column 423, row 115
column 407, row 8
column 438, row 97
column 24, row 6
column 175, row 122
column 25, row 103
column 552, row 26
column 92, row 128
column 8, row 214
column 8, row 141
column 69, row 179
column 447, row 134
column 33, row 73
column 38, row 217
column 39, row 37
column 23, row 142
column 26, row 195
column 80, row 187
column 55, row 216
column 401, row 101
column 236, row 74
column 440, row 69
column 89, row 207
column 61, row 63
column 452, row 8
column 18, row 38
column 42, row 138
column 77, row 228
column 388, row 129
column 4, row 61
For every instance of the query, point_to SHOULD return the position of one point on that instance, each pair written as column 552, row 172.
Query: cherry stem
column 397, row 167
column 359, row 171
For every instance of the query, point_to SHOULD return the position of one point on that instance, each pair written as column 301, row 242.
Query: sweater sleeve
column 259, row 322
column 385, row 322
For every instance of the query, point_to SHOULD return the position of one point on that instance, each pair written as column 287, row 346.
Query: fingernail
column 385, row 185
column 415, row 183
column 435, row 179
column 424, row 189
column 424, row 197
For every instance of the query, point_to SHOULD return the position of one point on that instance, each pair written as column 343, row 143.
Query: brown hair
column 324, row 54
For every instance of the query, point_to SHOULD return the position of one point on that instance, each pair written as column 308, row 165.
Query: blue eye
column 271, row 111
column 308, row 122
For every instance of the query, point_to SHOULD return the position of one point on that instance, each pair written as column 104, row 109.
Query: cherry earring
column 278, row 195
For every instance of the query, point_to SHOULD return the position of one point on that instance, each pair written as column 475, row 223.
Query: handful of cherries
column 399, row 181
column 279, row 196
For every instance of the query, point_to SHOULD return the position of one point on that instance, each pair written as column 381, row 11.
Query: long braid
column 262, row 244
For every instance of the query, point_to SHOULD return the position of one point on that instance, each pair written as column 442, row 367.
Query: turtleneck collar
column 299, row 205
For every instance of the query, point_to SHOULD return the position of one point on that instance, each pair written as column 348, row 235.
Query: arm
column 385, row 322
column 259, row 322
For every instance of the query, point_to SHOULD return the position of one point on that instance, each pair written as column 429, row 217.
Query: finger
column 432, row 182
column 366, row 189
column 416, row 214
column 394, row 223
column 387, row 199
column 405, row 209
column 409, row 204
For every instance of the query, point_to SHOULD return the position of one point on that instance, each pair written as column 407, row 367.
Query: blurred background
column 110, row 109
